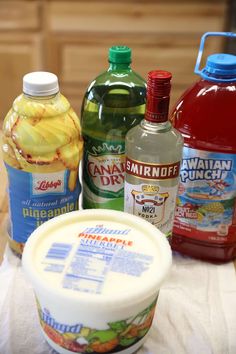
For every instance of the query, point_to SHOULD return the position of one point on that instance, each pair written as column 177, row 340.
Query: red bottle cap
column 158, row 96
column 158, row 84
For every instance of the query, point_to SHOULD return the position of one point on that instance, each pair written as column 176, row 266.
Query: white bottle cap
column 40, row 83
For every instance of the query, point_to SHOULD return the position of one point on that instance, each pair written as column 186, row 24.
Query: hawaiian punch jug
column 42, row 147
column 114, row 103
column 205, row 217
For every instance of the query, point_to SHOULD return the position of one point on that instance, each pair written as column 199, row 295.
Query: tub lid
column 100, row 256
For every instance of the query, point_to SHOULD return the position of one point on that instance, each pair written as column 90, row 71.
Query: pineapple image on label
column 149, row 203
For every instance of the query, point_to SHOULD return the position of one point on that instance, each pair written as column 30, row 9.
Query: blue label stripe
column 59, row 251
column 98, row 280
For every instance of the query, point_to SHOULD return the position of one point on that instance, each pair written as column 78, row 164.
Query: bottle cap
column 158, row 83
column 120, row 55
column 158, row 96
column 220, row 67
column 40, row 83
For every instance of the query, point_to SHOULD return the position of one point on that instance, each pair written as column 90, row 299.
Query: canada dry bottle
column 153, row 155
column 42, row 147
column 113, row 103
column 205, row 218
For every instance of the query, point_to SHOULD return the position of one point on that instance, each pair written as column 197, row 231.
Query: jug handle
column 201, row 47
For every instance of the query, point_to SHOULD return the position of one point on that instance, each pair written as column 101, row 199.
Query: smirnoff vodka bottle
column 153, row 156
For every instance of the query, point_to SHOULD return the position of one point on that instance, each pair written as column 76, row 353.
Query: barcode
column 59, row 251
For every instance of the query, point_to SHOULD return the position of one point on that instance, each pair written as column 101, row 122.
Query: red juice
column 205, row 216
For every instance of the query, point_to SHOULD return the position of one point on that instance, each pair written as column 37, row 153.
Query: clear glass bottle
column 153, row 154
column 42, row 148
column 114, row 103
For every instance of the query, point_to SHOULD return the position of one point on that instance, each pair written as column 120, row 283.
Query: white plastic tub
column 96, row 276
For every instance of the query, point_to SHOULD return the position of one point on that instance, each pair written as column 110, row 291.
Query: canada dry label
column 103, row 173
column 206, row 197
column 38, row 197
column 152, row 196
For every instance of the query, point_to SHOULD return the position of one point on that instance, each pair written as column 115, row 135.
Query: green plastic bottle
column 114, row 102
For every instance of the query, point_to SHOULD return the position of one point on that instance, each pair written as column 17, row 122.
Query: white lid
column 40, row 83
column 100, row 257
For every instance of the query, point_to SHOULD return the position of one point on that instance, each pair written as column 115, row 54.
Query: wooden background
column 71, row 39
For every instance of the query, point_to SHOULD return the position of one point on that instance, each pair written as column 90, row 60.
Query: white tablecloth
column 196, row 311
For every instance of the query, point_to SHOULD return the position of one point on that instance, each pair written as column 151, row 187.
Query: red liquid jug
column 205, row 216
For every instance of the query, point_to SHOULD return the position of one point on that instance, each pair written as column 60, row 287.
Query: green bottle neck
column 119, row 67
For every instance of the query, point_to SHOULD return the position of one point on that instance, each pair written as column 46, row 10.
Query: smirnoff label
column 152, row 193
column 103, row 174
column 152, row 171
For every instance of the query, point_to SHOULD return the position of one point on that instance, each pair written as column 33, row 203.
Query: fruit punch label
column 206, row 197
column 103, row 174
column 37, row 197
column 152, row 193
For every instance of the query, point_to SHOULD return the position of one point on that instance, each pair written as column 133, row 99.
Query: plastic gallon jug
column 205, row 216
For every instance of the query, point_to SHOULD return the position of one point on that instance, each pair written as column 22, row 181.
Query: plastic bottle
column 205, row 217
column 114, row 103
column 42, row 147
column 153, row 156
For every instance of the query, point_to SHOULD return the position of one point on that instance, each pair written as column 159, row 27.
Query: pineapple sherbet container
column 96, row 275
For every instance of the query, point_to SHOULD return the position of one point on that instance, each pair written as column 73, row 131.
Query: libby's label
column 116, row 336
column 103, row 174
column 54, row 183
column 38, row 197
column 206, row 197
column 152, row 196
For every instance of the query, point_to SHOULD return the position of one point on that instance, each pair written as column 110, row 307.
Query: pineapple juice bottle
column 42, row 147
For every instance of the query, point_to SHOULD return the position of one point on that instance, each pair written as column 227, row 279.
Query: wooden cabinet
column 19, row 54
column 71, row 39
column 20, row 47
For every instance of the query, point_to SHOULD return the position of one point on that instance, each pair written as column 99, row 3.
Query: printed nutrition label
column 88, row 268
column 84, row 267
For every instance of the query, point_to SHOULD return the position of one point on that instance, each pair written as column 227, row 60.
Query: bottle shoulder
column 35, row 117
column 146, row 129
column 44, row 107
column 145, row 139
column 204, row 92
column 206, row 116
column 153, row 148
column 119, row 77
